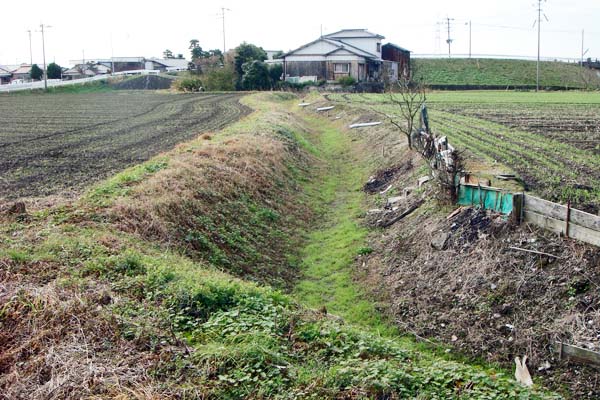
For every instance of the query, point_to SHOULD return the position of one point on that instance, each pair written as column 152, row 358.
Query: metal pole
column 223, row 14
column 537, row 81
column 582, row 37
column 30, row 50
column 112, row 56
column 44, row 54
column 449, row 41
column 469, row 39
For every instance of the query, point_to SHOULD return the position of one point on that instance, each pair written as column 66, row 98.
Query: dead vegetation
column 79, row 317
column 219, row 202
column 462, row 280
column 460, row 277
column 59, row 342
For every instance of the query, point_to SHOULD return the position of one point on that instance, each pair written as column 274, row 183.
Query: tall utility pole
column 222, row 15
column 112, row 56
column 582, row 38
column 30, row 49
column 539, row 26
column 449, row 41
column 470, row 38
column 438, row 40
column 44, row 55
column 583, row 52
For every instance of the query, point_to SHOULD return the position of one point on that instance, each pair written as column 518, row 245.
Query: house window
column 379, row 47
column 341, row 68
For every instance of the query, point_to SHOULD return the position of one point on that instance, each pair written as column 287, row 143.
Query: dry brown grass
column 60, row 337
column 56, row 343
column 205, row 181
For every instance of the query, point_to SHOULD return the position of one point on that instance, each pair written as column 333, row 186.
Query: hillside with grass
column 221, row 269
column 499, row 74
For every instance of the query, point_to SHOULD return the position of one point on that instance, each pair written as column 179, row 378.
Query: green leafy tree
column 256, row 76
column 54, row 71
column 196, row 50
column 275, row 72
column 167, row 53
column 215, row 53
column 220, row 79
column 246, row 53
column 36, row 72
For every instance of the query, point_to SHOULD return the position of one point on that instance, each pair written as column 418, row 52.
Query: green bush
column 346, row 81
column 222, row 79
column 191, row 84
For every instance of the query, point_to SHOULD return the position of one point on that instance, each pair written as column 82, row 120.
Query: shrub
column 222, row 79
column 54, row 71
column 191, row 84
column 346, row 81
column 256, row 76
column 36, row 73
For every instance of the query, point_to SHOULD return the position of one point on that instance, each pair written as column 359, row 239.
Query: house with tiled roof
column 23, row 72
column 357, row 53
column 5, row 75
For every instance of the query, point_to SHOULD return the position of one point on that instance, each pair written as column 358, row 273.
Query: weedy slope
column 142, row 288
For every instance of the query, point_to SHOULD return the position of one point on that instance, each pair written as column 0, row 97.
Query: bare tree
column 409, row 97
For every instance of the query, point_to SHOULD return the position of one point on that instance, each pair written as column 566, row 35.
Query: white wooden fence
column 51, row 83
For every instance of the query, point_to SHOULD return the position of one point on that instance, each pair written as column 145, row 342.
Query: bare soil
column 58, row 144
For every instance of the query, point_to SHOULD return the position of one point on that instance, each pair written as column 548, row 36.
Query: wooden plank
column 554, row 225
column 577, row 353
column 517, row 212
column 559, row 212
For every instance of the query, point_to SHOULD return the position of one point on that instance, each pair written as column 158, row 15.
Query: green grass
column 504, row 73
column 512, row 97
column 203, row 333
column 328, row 257
column 491, row 97
column 553, row 167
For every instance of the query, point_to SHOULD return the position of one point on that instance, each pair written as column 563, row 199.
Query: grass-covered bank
column 502, row 73
column 142, row 288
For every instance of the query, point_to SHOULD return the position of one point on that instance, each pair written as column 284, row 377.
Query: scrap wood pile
column 445, row 162
column 473, row 281
column 493, row 291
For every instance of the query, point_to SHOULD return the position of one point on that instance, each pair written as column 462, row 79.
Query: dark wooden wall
column 392, row 53
column 307, row 68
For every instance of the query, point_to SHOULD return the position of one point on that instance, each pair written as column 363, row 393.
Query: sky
column 130, row 28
